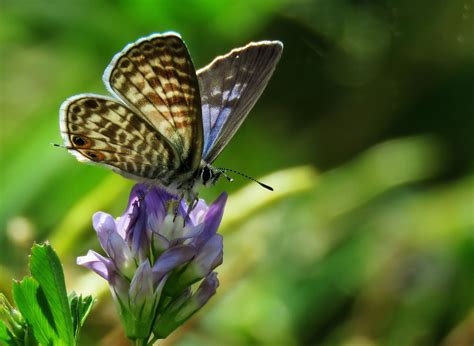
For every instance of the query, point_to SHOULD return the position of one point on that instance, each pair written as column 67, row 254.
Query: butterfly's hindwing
column 230, row 86
column 100, row 130
column 156, row 78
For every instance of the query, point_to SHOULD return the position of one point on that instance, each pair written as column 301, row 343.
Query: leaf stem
column 153, row 340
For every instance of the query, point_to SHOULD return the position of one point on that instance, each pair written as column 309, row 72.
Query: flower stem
column 140, row 342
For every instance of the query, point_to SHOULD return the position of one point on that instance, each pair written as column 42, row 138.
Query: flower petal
column 212, row 220
column 171, row 259
column 157, row 200
column 149, row 212
column 199, row 212
column 104, row 225
column 206, row 290
column 137, row 305
column 190, row 232
column 101, row 265
column 135, row 231
column 207, row 259
column 159, row 244
column 138, row 192
column 171, row 228
column 141, row 287
column 166, row 322
column 185, row 306
column 131, row 212
column 121, row 256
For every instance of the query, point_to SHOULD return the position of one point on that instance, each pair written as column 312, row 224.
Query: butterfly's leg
column 191, row 207
column 148, row 189
column 141, row 198
column 176, row 209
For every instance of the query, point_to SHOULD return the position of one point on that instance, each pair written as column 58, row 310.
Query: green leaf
column 46, row 268
column 43, row 314
column 18, row 329
column 6, row 336
column 31, row 301
column 80, row 309
column 74, row 305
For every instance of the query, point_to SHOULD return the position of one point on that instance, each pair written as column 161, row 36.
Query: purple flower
column 153, row 258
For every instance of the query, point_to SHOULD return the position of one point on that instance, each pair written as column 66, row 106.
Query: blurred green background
column 365, row 131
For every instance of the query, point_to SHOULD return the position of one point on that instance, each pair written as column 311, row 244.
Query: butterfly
column 166, row 123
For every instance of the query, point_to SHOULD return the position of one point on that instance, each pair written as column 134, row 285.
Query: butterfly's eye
column 79, row 141
column 206, row 175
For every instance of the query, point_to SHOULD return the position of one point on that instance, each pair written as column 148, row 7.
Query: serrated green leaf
column 86, row 307
column 80, row 309
column 46, row 268
column 6, row 336
column 31, row 301
column 74, row 306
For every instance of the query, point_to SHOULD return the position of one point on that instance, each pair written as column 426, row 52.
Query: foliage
column 44, row 315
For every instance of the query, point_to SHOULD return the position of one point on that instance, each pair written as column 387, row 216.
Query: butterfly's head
column 209, row 175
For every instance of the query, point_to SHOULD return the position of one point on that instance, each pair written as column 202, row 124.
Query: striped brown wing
column 156, row 78
column 100, row 130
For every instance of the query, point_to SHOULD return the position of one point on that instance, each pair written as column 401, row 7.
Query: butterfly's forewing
column 230, row 86
column 99, row 129
column 156, row 78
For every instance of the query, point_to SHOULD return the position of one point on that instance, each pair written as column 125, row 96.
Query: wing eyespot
column 125, row 63
column 80, row 141
column 91, row 104
column 135, row 53
column 94, row 156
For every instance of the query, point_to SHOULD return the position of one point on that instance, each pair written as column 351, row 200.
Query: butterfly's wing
column 230, row 86
column 156, row 79
column 101, row 130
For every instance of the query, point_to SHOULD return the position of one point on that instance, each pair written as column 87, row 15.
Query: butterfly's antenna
column 58, row 145
column 223, row 170
column 61, row 146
